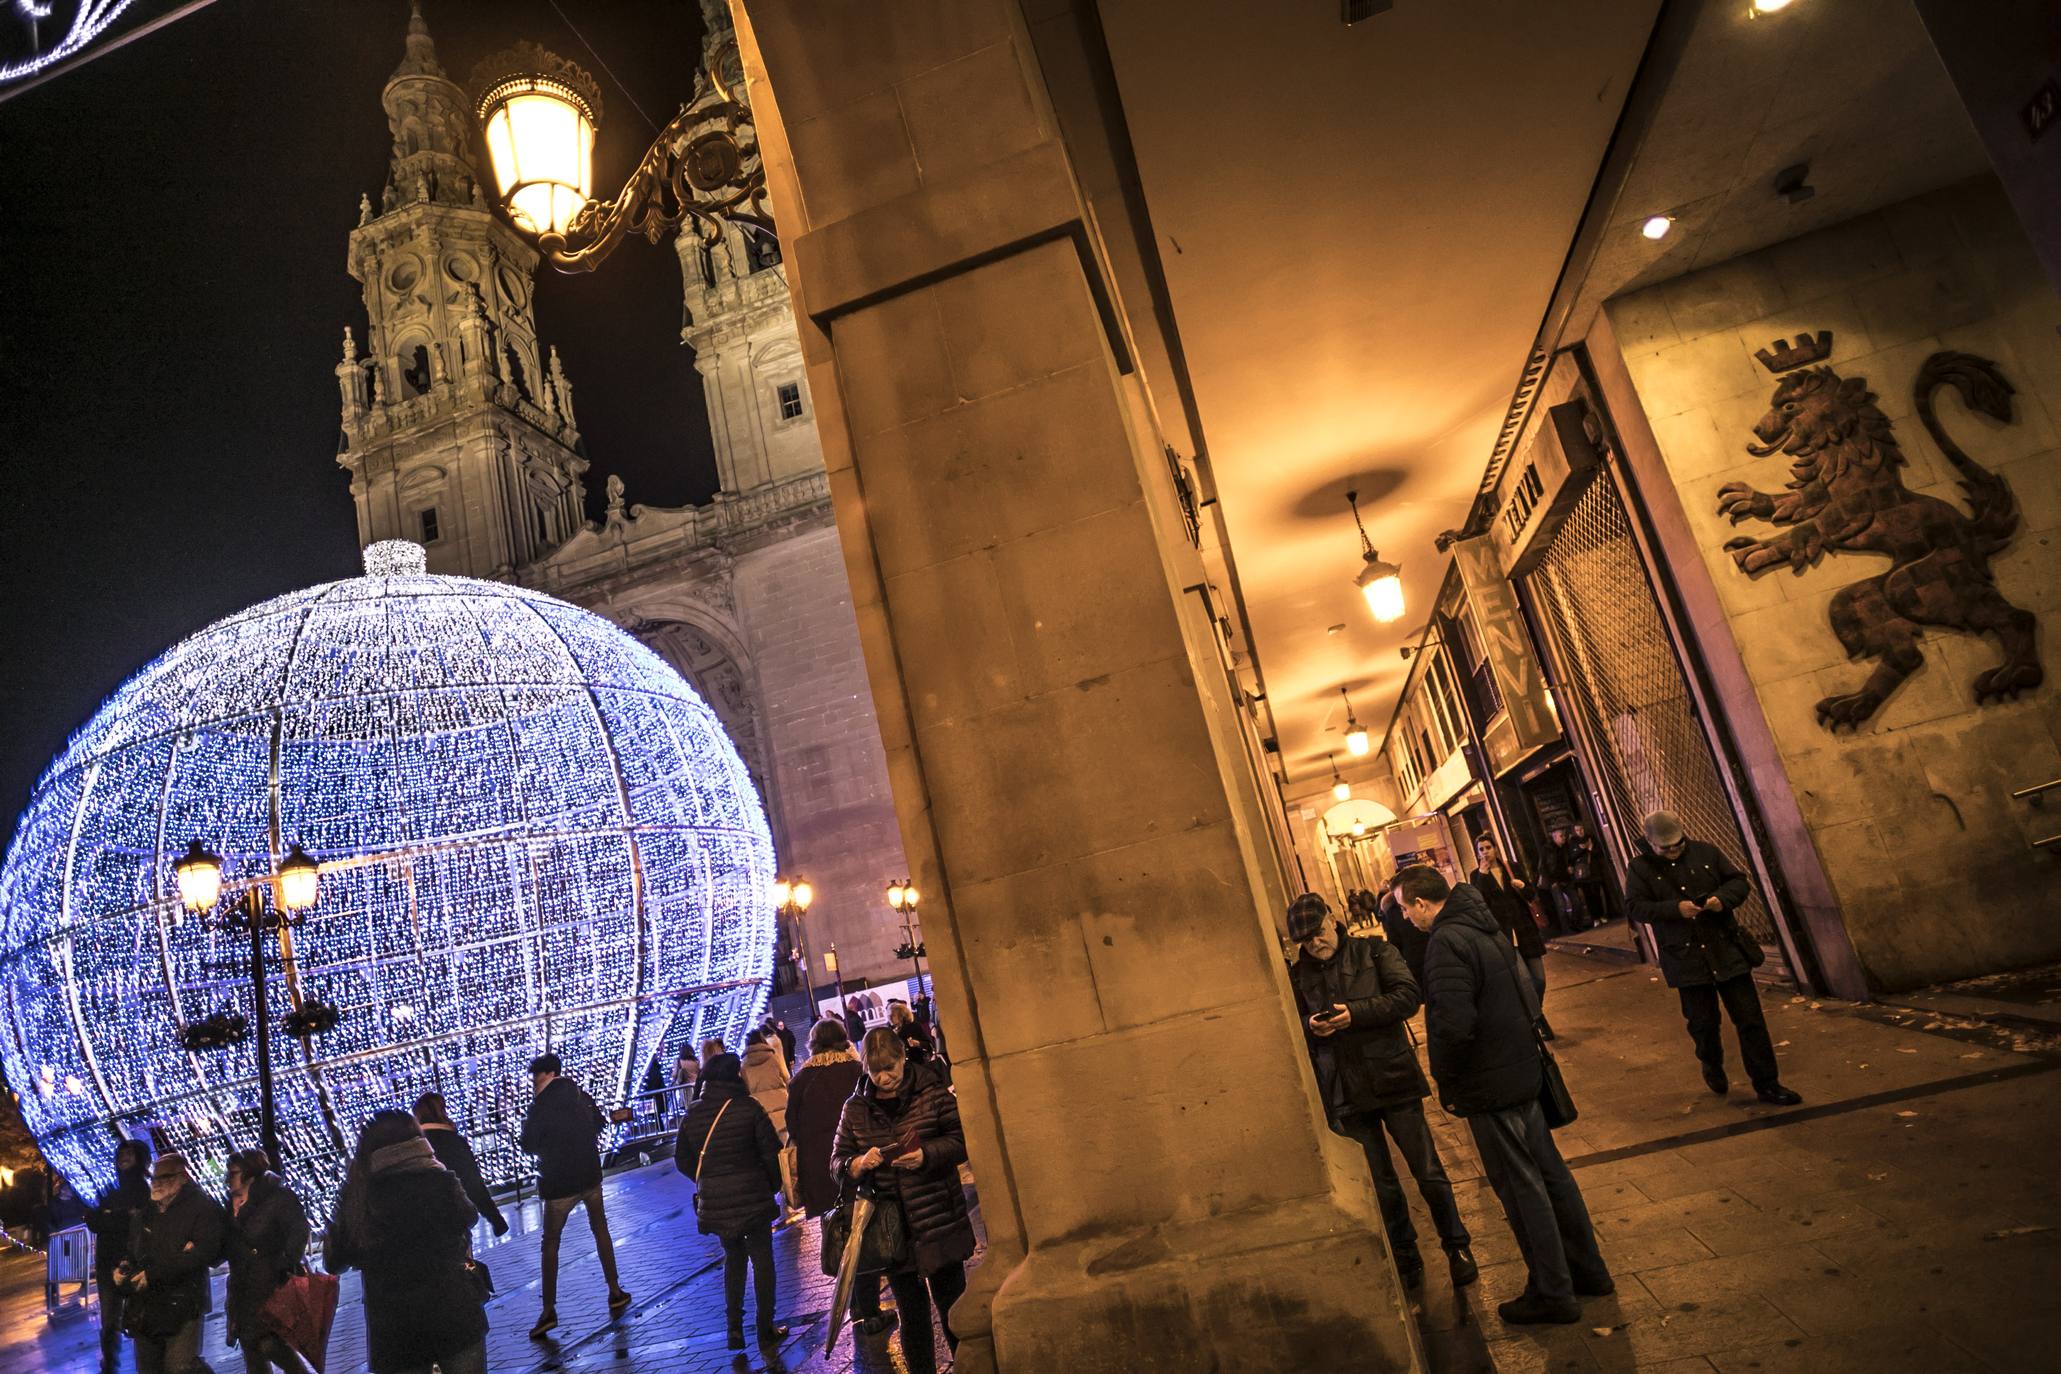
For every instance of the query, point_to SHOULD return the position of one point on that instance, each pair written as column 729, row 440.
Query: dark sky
column 172, row 303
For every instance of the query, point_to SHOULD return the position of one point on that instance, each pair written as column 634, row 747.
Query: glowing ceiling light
column 1356, row 742
column 1657, row 226
column 520, row 808
column 1769, row 6
column 1340, row 788
column 1379, row 581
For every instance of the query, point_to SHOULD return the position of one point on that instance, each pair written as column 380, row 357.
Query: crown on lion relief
column 1779, row 357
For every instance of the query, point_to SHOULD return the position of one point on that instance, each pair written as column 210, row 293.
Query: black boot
column 1465, row 1270
column 736, row 1338
column 770, row 1332
column 1714, row 1079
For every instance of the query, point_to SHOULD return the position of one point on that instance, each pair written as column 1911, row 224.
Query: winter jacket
column 1372, row 1064
column 1511, row 910
column 1554, row 866
column 1694, row 951
column 112, row 1220
column 560, row 1130
column 916, row 1040
column 765, row 1078
column 267, row 1242
column 404, row 1220
column 815, row 1102
column 174, row 1248
column 737, row 1180
column 454, row 1152
column 855, row 1026
column 1484, row 1053
column 1407, row 939
column 933, row 1202
column 786, row 1038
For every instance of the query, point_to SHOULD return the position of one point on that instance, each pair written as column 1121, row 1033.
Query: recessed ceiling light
column 1769, row 6
column 1657, row 226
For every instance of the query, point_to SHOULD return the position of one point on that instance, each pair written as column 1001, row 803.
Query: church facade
column 459, row 432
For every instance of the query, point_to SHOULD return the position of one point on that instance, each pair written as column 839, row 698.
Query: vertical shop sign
column 1528, row 720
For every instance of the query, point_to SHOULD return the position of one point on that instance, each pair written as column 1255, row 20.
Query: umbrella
column 848, row 1266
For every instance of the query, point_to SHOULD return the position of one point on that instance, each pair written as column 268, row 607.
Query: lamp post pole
column 254, row 915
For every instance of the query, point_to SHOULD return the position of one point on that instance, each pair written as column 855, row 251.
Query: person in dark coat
column 1508, row 894
column 902, row 1125
column 267, row 1244
column 1585, row 869
column 111, row 1220
column 562, row 1129
column 815, row 1103
column 403, row 1219
column 1557, row 879
column 1478, row 1021
column 1686, row 891
column 1355, row 997
column 728, row 1146
column 1405, row 938
column 915, row 1036
column 173, row 1243
column 854, row 1021
column 454, row 1152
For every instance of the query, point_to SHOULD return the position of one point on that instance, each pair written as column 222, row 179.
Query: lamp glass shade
column 1384, row 593
column 1342, row 790
column 200, row 877
column 783, row 892
column 1356, row 742
column 803, row 894
column 299, row 880
column 540, row 139
column 897, row 895
column 910, row 896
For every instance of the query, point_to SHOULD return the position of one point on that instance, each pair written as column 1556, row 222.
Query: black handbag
column 1749, row 948
column 885, row 1246
column 1556, row 1103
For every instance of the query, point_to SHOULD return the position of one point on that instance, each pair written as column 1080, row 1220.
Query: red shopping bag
column 302, row 1310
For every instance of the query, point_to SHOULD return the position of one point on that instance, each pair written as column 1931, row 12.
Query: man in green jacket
column 1355, row 997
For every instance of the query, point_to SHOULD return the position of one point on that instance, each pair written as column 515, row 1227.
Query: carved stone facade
column 459, row 433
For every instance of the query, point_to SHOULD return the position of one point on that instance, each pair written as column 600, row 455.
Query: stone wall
column 1909, row 813
column 830, row 790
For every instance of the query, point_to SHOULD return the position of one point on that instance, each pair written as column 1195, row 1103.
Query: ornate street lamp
column 540, row 113
column 792, row 896
column 1379, row 581
column 295, row 888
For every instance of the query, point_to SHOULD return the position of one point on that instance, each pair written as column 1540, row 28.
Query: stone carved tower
column 458, row 428
column 740, row 324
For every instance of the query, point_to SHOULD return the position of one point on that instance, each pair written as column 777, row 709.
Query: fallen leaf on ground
column 1900, row 1049
column 1876, row 1178
column 1972, row 1054
column 1602, row 1330
column 2010, row 1231
column 1816, row 1005
column 1864, row 1066
column 1907, row 1113
column 1780, row 1044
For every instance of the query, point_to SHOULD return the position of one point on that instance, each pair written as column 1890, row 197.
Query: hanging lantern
column 1381, row 582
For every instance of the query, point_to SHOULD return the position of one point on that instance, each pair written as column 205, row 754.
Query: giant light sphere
column 533, row 835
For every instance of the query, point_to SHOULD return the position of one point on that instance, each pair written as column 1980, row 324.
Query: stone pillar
column 1159, row 1189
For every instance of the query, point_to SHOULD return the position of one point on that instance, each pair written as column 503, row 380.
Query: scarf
column 403, row 1155
column 844, row 1056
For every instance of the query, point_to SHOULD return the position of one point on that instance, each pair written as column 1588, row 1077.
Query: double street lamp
column 792, row 896
column 295, row 888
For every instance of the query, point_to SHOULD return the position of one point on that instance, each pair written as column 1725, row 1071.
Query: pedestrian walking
column 1479, row 1019
column 902, row 1119
column 267, row 1245
column 914, row 1035
column 1507, row 891
column 786, row 1038
column 173, row 1243
column 765, row 1077
column 1585, row 868
column 403, row 1219
column 1686, row 891
column 728, row 1146
column 1355, row 997
column 562, row 1130
column 111, row 1220
column 815, row 1103
column 686, row 1069
column 854, row 1021
column 454, row 1152
column 1557, row 879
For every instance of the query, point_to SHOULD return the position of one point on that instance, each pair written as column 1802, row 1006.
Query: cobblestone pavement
column 1907, row 1218
column 675, row 1326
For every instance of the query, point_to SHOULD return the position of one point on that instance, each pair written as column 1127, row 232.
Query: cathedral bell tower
column 458, row 429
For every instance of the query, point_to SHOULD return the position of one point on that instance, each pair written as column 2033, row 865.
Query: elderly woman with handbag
column 268, row 1241
column 727, row 1145
column 900, row 1132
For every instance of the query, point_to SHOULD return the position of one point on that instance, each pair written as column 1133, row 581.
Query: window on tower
column 763, row 250
column 415, row 376
column 430, row 531
column 790, row 398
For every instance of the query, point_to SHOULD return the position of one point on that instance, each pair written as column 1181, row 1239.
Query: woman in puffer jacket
column 727, row 1146
column 902, row 1122
column 765, row 1078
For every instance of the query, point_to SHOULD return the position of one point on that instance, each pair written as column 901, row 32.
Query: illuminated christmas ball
column 532, row 834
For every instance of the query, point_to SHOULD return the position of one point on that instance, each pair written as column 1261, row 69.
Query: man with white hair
column 1686, row 891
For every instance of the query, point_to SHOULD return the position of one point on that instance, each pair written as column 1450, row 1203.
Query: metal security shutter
column 1622, row 682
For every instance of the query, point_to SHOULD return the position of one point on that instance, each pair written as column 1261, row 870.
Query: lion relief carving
column 1846, row 494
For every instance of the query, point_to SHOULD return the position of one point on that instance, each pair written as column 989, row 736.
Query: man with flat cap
column 1355, row 997
column 1686, row 891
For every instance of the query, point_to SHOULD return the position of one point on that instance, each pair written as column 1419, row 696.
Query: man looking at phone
column 1686, row 891
column 561, row 1130
column 1355, row 996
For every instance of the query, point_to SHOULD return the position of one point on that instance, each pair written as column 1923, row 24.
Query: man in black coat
column 1686, row 891
column 561, row 1130
column 1479, row 1019
column 1355, row 996
column 173, row 1243
column 111, row 1221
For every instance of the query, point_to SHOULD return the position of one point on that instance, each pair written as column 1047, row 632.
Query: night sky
column 173, row 296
